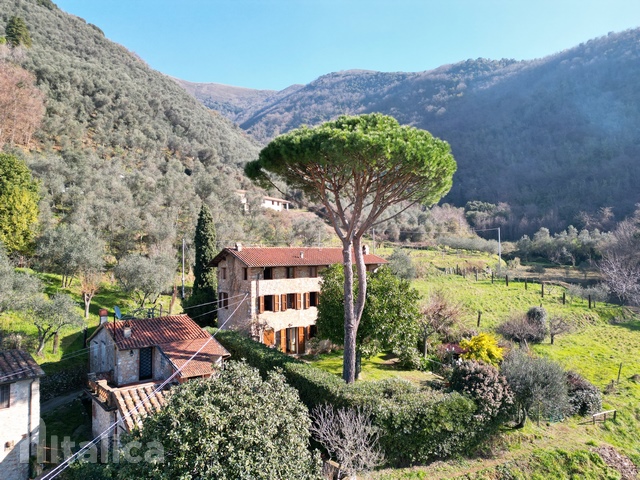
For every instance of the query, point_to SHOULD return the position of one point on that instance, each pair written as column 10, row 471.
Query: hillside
column 123, row 150
column 551, row 137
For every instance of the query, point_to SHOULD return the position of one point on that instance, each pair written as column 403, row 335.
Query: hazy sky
column 271, row 44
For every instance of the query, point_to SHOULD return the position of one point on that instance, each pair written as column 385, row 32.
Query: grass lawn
column 72, row 339
column 375, row 368
column 605, row 337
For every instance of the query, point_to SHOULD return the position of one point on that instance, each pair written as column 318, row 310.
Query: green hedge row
column 416, row 426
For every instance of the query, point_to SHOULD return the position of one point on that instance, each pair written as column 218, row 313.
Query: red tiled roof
column 140, row 402
column 18, row 365
column 290, row 256
column 202, row 364
column 148, row 332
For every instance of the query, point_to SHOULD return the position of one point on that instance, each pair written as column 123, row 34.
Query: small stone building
column 272, row 293
column 19, row 412
column 130, row 359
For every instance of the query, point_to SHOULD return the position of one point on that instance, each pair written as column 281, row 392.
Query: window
column 245, row 273
column 224, row 300
column 313, row 299
column 223, row 273
column 313, row 272
column 5, row 394
column 268, row 303
column 291, row 298
column 268, row 273
column 290, row 272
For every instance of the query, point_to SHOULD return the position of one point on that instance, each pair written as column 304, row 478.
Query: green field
column 605, row 337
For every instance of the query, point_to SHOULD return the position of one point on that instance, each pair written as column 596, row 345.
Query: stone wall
column 247, row 317
column 19, row 428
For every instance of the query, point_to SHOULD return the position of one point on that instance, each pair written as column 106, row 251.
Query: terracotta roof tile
column 18, row 365
column 140, row 402
column 202, row 364
column 288, row 256
column 148, row 332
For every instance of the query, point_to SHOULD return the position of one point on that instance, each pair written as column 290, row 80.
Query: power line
column 65, row 464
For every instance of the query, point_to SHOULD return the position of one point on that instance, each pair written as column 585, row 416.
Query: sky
column 271, row 44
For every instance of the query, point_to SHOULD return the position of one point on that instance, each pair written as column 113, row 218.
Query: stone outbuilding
column 19, row 412
column 272, row 293
column 130, row 359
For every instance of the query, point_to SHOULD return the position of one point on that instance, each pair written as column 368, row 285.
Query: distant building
column 277, row 204
column 130, row 359
column 19, row 412
column 272, row 293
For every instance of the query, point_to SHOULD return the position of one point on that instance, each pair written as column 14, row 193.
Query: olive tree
column 145, row 277
column 357, row 167
column 50, row 316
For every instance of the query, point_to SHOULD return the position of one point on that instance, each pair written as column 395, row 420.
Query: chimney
column 127, row 332
column 365, row 249
column 104, row 315
column 238, row 246
column 301, row 254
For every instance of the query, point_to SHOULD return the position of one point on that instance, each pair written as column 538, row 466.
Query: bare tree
column 558, row 326
column 519, row 329
column 620, row 264
column 89, row 285
column 21, row 105
column 439, row 316
column 348, row 436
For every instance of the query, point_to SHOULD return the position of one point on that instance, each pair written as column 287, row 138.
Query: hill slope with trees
column 551, row 137
column 122, row 150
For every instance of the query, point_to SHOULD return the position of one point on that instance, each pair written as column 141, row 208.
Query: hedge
column 417, row 426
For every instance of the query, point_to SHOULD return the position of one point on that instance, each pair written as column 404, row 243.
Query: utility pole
column 373, row 231
column 183, row 268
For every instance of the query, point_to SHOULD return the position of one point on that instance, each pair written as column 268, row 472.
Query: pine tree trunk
column 350, row 327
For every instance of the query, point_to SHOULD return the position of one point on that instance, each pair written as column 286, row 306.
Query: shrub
column 416, row 425
column 584, row 397
column 488, row 389
column 483, row 347
column 537, row 318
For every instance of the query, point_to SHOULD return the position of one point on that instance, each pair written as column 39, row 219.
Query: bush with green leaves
column 401, row 265
column 230, row 427
column 584, row 397
column 484, row 384
column 416, row 425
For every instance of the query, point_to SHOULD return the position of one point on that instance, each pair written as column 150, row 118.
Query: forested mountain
column 555, row 138
column 122, row 151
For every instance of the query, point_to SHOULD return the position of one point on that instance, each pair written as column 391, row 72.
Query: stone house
column 272, row 293
column 19, row 412
column 130, row 359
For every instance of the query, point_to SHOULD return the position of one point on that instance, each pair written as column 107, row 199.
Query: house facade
column 272, row 293
column 130, row 359
column 19, row 412
column 273, row 203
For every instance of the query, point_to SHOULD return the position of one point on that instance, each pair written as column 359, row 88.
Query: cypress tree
column 205, row 243
column 17, row 32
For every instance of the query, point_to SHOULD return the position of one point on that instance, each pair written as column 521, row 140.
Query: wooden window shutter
column 298, row 303
column 276, row 303
column 307, row 300
column 260, row 304
column 283, row 341
column 301, row 340
column 283, row 302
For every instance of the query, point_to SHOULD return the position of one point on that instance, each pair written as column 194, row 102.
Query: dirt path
column 56, row 402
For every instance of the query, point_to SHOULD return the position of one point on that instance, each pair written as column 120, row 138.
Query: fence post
column 589, row 301
column 506, row 279
column 491, row 277
column 542, row 287
column 525, row 284
column 619, row 370
column 564, row 298
column 479, row 317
